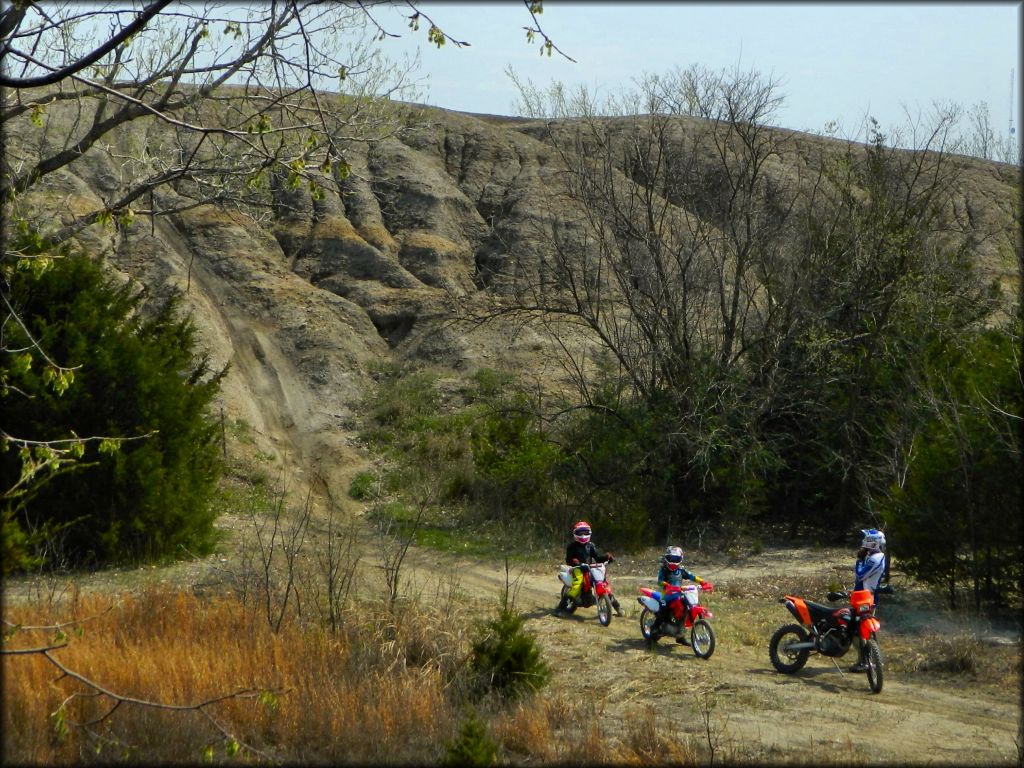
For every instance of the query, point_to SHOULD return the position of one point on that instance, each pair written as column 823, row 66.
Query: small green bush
column 473, row 746
column 362, row 487
column 506, row 660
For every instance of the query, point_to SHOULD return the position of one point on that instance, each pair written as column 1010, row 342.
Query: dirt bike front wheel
column 647, row 619
column 702, row 639
column 604, row 610
column 783, row 659
column 873, row 656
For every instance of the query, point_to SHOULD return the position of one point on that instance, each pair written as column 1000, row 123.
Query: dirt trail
column 819, row 715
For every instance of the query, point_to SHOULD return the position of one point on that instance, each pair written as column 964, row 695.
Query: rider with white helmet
column 870, row 565
column 867, row 572
column 673, row 572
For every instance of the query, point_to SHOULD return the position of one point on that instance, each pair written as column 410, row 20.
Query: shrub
column 473, row 746
column 506, row 660
column 362, row 487
column 138, row 381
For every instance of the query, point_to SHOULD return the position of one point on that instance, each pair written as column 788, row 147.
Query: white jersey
column 868, row 572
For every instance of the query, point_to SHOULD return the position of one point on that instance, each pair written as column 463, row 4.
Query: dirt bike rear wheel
column 784, row 660
column 873, row 657
column 604, row 610
column 566, row 603
column 702, row 639
column 647, row 618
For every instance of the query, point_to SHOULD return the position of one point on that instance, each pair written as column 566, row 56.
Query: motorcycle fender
column 868, row 627
column 649, row 602
column 603, row 588
column 798, row 608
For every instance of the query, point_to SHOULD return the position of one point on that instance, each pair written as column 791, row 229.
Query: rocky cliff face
column 304, row 304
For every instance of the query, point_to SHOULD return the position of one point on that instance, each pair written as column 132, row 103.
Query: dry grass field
column 215, row 682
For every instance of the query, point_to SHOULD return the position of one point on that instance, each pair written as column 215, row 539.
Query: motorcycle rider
column 581, row 551
column 870, row 565
column 672, row 572
column 867, row 572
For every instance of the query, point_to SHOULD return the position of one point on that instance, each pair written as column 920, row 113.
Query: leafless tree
column 680, row 220
column 672, row 248
column 336, row 562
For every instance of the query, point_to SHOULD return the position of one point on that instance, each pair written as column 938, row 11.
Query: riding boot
column 659, row 620
column 615, row 605
column 861, row 665
column 563, row 605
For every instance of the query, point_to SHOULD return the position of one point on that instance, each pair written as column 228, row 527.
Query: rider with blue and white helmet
column 868, row 571
column 870, row 565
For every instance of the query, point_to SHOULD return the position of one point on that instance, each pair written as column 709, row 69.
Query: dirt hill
column 305, row 301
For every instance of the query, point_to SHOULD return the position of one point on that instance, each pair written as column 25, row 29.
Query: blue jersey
column 675, row 578
column 868, row 572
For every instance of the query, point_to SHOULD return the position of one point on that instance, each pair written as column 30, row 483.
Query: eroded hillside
column 441, row 220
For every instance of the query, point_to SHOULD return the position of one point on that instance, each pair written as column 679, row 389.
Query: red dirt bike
column 596, row 590
column 686, row 614
column 829, row 631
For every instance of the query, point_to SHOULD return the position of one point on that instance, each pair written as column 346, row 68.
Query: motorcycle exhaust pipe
column 806, row 646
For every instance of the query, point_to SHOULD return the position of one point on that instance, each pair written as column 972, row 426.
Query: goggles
column 581, row 532
column 674, row 559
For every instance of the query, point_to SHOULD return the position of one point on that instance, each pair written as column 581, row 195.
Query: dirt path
column 820, row 715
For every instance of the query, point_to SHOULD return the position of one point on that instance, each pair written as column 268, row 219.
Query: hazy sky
column 835, row 61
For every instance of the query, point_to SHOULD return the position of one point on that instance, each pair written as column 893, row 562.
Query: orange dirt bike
column 829, row 631
column 685, row 615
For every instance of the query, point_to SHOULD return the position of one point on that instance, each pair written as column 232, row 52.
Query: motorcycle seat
column 819, row 611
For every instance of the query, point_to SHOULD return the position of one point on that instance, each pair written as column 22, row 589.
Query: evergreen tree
column 955, row 521
column 506, row 658
column 144, row 493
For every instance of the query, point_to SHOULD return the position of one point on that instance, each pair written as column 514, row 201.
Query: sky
column 834, row 61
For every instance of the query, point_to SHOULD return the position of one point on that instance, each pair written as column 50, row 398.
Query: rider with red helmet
column 673, row 572
column 581, row 551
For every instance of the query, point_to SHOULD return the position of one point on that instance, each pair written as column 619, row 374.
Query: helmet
column 581, row 531
column 874, row 540
column 673, row 558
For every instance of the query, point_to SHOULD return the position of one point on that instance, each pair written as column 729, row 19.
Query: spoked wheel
column 647, row 619
column 874, row 662
column 566, row 603
column 702, row 639
column 783, row 659
column 604, row 610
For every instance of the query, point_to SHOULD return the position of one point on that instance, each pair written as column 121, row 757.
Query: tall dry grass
column 378, row 691
column 373, row 692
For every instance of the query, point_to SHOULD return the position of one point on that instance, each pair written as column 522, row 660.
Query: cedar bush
column 473, row 746
column 140, row 381
column 506, row 659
